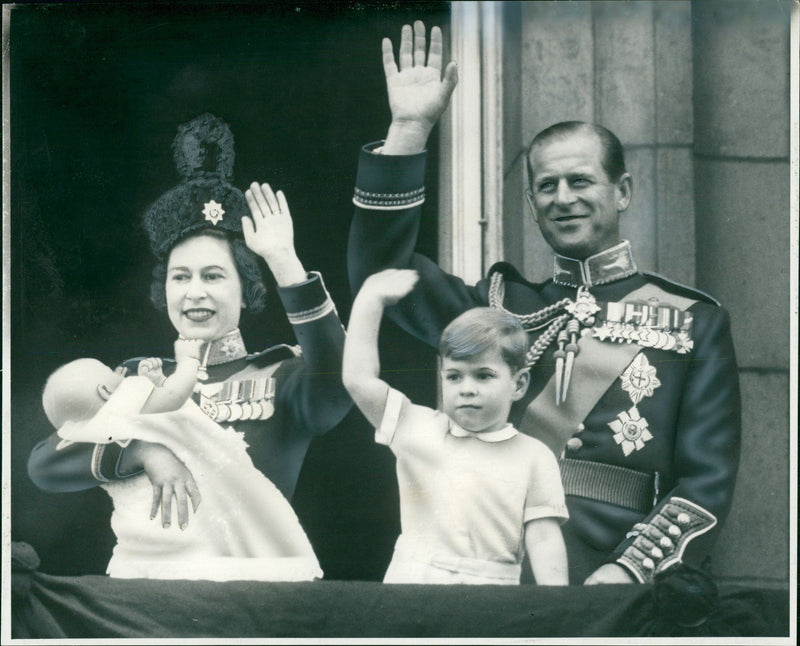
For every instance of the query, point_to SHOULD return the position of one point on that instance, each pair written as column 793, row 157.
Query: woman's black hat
column 205, row 198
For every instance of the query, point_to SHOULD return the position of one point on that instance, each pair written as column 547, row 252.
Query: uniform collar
column 225, row 349
column 604, row 267
column 501, row 434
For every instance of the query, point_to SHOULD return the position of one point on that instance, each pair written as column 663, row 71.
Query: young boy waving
column 475, row 494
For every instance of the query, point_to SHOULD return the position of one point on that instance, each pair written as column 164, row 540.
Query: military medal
column 630, row 430
column 209, row 409
column 639, row 379
column 236, row 412
column 202, row 373
column 584, row 307
column 223, row 412
column 241, row 400
column 683, row 343
column 650, row 324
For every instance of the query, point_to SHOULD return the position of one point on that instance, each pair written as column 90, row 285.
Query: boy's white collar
column 501, row 434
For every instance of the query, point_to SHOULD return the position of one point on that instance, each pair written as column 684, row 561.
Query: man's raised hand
column 418, row 93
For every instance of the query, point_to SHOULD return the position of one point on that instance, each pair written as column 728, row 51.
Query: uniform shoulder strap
column 680, row 289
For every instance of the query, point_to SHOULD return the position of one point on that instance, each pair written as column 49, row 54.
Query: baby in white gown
column 244, row 529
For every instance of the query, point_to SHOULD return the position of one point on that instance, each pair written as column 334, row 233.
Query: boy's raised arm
column 361, row 363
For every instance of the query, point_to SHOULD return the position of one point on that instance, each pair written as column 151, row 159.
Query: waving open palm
column 418, row 92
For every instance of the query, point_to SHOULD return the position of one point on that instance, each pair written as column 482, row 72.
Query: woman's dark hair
column 481, row 328
column 248, row 265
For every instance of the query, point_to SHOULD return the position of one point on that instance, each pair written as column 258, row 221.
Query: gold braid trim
column 548, row 316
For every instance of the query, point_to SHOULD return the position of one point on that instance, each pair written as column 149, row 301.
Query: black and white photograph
column 414, row 321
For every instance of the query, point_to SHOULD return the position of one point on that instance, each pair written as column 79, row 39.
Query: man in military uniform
column 634, row 382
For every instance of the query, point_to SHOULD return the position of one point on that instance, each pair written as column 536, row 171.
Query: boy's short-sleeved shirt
column 467, row 494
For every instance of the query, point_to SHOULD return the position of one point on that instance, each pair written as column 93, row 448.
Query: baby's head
column 77, row 390
column 483, row 368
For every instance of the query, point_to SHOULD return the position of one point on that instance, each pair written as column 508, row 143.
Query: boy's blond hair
column 480, row 328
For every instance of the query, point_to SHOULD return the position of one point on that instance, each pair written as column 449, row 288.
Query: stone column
column 741, row 146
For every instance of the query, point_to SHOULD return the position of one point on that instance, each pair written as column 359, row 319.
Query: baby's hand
column 188, row 349
column 390, row 285
column 152, row 369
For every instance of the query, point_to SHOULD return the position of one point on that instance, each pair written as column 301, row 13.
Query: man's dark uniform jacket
column 648, row 428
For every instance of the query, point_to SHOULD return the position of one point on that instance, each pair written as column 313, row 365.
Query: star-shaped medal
column 683, row 342
column 213, row 211
column 602, row 332
column 639, row 379
column 630, row 431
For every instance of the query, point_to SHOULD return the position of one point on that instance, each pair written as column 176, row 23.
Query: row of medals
column 650, row 324
column 232, row 401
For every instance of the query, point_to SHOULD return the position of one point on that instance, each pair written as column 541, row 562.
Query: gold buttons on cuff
column 683, row 519
column 648, row 563
column 665, row 543
column 657, row 553
column 674, row 530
